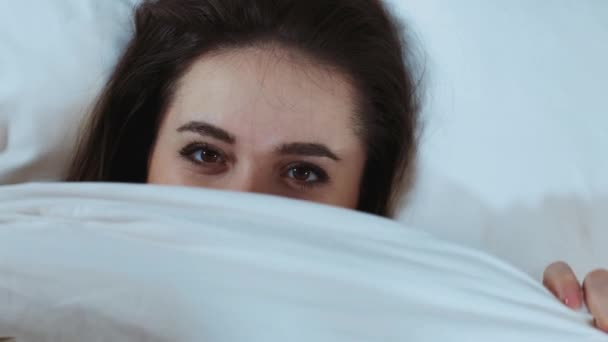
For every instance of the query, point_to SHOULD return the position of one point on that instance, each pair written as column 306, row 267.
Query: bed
column 511, row 177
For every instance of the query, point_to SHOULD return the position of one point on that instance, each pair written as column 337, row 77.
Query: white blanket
column 94, row 262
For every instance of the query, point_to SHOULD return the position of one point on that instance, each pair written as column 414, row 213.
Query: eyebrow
column 298, row 148
column 209, row 130
column 307, row 149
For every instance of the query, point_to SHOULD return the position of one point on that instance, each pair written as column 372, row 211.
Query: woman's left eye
column 303, row 174
column 306, row 174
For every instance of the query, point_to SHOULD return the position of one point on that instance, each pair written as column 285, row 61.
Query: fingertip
column 561, row 281
column 596, row 296
column 601, row 324
column 573, row 298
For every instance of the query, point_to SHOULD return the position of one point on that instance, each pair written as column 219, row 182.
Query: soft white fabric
column 558, row 228
column 513, row 150
column 54, row 58
column 516, row 108
column 93, row 262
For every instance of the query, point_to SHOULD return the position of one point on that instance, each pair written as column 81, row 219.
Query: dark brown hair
column 359, row 37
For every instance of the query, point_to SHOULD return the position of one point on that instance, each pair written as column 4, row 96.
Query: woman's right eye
column 203, row 154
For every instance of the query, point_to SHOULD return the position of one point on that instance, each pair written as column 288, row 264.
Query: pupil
column 301, row 174
column 209, row 156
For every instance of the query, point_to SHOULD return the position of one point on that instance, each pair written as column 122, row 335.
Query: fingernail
column 573, row 300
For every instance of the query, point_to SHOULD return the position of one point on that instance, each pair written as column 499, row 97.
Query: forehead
column 267, row 95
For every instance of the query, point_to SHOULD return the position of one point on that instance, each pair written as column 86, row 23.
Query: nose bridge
column 248, row 178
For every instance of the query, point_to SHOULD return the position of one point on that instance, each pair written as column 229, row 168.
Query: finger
column 596, row 296
column 561, row 281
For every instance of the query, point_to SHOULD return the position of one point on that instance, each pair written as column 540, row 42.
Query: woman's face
column 262, row 120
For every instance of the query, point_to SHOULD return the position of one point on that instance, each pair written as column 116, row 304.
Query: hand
column 561, row 280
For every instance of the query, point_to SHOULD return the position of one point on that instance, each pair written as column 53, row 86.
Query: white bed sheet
column 99, row 262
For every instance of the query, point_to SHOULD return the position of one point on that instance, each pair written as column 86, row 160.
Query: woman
column 314, row 100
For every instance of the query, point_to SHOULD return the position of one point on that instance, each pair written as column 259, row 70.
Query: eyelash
column 189, row 150
column 323, row 178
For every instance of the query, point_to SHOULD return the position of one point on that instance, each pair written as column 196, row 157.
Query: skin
column 262, row 120
column 562, row 282
column 268, row 120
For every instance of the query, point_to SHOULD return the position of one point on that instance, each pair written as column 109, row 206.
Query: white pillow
column 513, row 154
column 54, row 57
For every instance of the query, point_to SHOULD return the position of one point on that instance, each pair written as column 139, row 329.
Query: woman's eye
column 302, row 174
column 206, row 156
column 305, row 174
column 202, row 154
